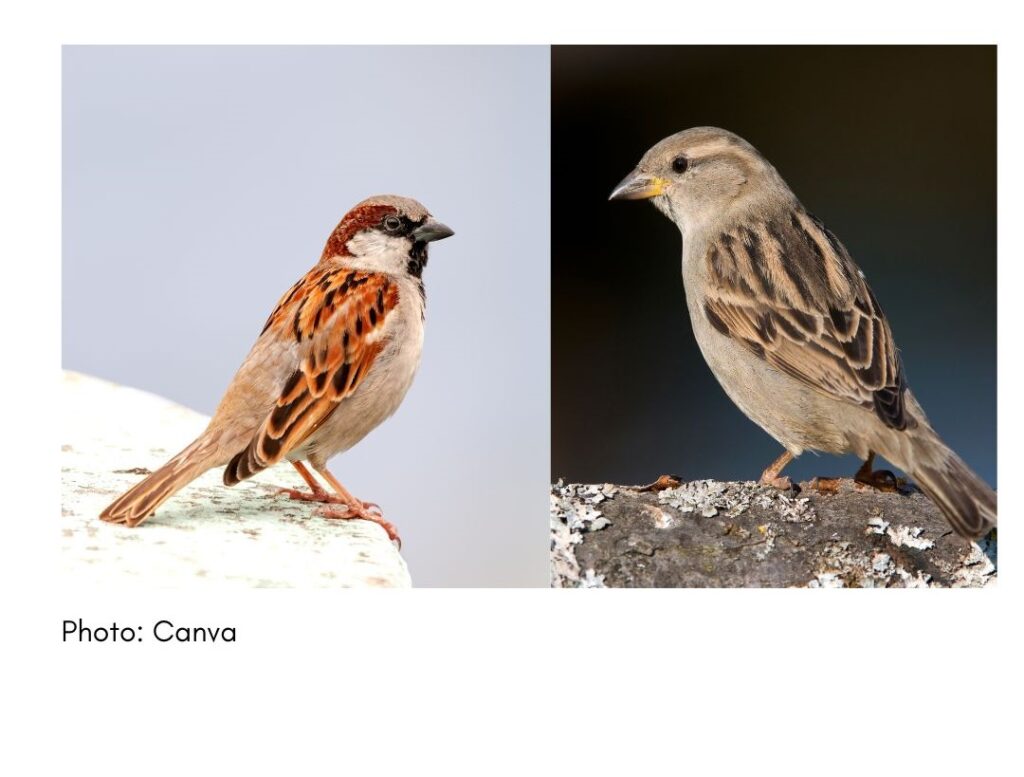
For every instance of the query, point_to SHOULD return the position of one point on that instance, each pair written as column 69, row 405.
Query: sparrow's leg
column 770, row 477
column 319, row 494
column 345, row 493
column 356, row 508
column 881, row 479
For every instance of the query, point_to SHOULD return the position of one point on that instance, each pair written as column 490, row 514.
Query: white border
column 720, row 682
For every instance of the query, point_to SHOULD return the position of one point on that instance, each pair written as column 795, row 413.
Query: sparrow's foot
column 312, row 496
column 349, row 512
column 783, row 483
column 879, row 479
column 350, row 506
column 772, row 476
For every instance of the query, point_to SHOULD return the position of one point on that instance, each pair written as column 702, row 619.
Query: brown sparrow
column 334, row 360
column 788, row 324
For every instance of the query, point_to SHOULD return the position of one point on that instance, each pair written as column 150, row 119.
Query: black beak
column 431, row 230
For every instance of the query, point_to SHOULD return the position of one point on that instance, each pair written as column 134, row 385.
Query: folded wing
column 788, row 291
column 336, row 318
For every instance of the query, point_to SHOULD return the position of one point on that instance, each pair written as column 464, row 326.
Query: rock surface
column 206, row 535
column 714, row 534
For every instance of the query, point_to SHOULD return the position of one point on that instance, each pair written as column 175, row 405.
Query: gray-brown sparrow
column 333, row 361
column 788, row 324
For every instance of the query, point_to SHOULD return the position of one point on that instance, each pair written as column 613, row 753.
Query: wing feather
column 789, row 292
column 337, row 318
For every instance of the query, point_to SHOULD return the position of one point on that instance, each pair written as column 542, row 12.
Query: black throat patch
column 415, row 266
column 417, row 260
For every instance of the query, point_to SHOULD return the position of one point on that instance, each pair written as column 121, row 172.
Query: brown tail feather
column 140, row 501
column 243, row 465
column 965, row 499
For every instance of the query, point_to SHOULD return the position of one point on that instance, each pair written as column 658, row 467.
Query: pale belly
column 377, row 398
column 797, row 416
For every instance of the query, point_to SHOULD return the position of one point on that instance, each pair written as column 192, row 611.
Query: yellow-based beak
column 639, row 186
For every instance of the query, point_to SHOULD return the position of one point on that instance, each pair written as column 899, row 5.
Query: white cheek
column 378, row 252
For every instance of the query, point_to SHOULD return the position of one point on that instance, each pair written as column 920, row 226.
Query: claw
column 351, row 513
column 782, row 483
column 348, row 508
column 880, row 479
column 772, row 476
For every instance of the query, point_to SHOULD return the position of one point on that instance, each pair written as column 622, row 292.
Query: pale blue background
column 200, row 183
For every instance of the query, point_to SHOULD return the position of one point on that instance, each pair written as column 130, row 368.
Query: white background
column 471, row 681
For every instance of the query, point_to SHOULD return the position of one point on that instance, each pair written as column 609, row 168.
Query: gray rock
column 715, row 534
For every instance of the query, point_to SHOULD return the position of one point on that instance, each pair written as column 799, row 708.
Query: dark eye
column 392, row 223
column 679, row 164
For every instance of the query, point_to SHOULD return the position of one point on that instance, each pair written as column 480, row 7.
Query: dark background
column 893, row 147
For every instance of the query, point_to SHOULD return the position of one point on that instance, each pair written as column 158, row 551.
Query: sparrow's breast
column 796, row 416
column 384, row 387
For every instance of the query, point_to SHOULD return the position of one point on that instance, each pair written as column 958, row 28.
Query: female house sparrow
column 787, row 323
column 334, row 360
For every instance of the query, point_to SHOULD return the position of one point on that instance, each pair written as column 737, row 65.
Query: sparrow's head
column 385, row 234
column 700, row 175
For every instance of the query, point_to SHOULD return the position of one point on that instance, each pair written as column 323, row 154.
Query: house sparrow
column 788, row 324
column 334, row 360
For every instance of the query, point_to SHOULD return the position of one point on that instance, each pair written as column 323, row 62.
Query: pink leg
column 771, row 476
column 356, row 508
column 317, row 492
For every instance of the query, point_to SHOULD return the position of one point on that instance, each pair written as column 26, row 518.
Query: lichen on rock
column 709, row 533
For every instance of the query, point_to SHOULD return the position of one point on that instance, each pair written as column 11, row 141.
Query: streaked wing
column 336, row 316
column 788, row 291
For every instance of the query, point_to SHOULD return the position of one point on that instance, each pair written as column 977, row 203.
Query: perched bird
column 788, row 325
column 334, row 360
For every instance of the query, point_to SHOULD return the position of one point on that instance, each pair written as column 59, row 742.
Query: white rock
column 880, row 562
column 907, row 537
column 826, row 580
column 877, row 525
column 207, row 534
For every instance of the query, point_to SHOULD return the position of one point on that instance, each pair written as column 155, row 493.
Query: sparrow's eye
column 392, row 223
column 679, row 164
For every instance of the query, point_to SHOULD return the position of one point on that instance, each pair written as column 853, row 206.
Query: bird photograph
column 783, row 373
column 788, row 324
column 335, row 359
column 280, row 367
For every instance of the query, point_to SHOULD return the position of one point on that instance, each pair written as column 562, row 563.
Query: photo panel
column 818, row 272
column 211, row 192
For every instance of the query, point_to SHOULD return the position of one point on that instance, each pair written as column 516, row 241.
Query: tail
column 140, row 501
column 964, row 498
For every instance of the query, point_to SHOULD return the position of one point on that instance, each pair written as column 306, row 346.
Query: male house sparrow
column 788, row 324
column 334, row 360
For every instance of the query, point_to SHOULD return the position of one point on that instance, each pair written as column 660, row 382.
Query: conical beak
column 431, row 230
column 638, row 186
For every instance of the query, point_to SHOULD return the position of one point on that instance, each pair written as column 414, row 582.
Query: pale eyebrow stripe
column 717, row 153
column 712, row 147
